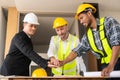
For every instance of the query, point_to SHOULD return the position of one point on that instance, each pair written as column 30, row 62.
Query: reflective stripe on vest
column 107, row 52
column 69, row 68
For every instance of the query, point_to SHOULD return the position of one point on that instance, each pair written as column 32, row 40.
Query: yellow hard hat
column 39, row 72
column 59, row 21
column 83, row 7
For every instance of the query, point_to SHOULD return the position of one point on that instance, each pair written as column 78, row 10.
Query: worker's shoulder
column 74, row 36
column 54, row 37
column 19, row 35
column 108, row 18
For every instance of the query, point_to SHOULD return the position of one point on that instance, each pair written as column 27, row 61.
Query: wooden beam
column 12, row 27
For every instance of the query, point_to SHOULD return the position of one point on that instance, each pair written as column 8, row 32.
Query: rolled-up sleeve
column 113, row 31
column 83, row 47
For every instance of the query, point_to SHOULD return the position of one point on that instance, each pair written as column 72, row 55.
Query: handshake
column 55, row 63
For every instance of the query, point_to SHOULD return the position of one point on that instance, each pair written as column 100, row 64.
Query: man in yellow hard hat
column 21, row 50
column 60, row 47
column 102, row 38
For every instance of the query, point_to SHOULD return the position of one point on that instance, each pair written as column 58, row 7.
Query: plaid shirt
column 112, row 30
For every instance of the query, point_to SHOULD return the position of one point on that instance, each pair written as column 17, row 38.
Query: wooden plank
column 12, row 26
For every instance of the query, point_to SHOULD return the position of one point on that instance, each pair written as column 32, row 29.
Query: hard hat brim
column 33, row 23
column 76, row 16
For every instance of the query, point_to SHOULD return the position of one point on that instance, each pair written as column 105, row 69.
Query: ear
column 89, row 13
column 25, row 23
column 67, row 27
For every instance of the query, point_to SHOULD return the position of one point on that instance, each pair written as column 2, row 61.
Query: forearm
column 115, row 54
column 70, row 57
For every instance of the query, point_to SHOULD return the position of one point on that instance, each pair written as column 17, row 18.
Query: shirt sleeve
column 112, row 31
column 25, row 46
column 51, row 49
column 83, row 47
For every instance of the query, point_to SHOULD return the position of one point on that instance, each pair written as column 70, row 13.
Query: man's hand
column 61, row 63
column 115, row 54
column 106, row 71
column 52, row 65
column 54, row 61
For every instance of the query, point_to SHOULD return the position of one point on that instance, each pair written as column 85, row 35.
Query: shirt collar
column 98, row 24
column 66, row 39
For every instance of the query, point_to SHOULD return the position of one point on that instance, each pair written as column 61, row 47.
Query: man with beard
column 102, row 38
column 60, row 47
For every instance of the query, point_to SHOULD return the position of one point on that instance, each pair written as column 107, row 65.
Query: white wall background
column 114, row 14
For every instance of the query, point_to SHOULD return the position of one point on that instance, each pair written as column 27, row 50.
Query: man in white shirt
column 60, row 47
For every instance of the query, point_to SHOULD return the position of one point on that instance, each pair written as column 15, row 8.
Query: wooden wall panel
column 92, row 62
column 12, row 26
